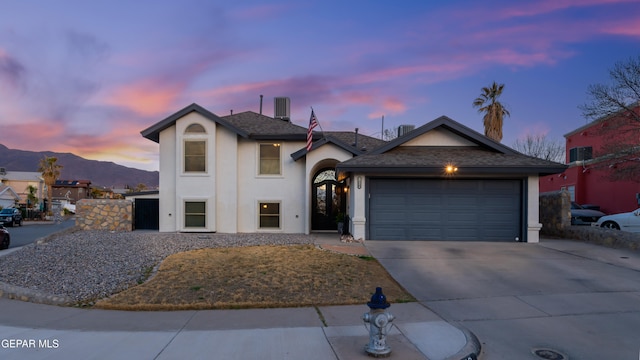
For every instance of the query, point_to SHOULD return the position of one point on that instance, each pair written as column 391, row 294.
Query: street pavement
column 31, row 231
column 559, row 299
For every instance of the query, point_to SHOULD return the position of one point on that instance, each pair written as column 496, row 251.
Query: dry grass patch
column 258, row 277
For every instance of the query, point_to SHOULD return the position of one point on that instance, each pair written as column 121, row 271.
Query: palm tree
column 50, row 173
column 493, row 110
column 32, row 199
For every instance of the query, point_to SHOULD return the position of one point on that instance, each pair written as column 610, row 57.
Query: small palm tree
column 494, row 111
column 50, row 173
column 31, row 195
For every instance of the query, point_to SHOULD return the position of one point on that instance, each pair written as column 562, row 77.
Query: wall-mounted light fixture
column 359, row 182
column 450, row 169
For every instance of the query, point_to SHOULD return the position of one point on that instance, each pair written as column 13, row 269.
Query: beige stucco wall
column 438, row 137
column 104, row 214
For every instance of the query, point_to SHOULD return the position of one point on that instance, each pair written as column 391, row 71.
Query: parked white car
column 625, row 221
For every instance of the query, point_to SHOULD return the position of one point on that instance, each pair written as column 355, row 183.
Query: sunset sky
column 87, row 76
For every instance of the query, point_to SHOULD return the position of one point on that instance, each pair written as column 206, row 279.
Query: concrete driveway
column 557, row 299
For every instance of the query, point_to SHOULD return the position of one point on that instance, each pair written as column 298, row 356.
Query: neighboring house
column 252, row 173
column 19, row 181
column 8, row 197
column 587, row 178
column 70, row 191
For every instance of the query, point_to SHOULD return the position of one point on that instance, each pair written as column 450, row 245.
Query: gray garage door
column 465, row 210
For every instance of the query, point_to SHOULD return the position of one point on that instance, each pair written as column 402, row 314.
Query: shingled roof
column 246, row 124
column 486, row 157
column 258, row 126
column 343, row 139
column 433, row 159
column 365, row 143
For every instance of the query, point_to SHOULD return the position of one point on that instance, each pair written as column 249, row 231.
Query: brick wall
column 104, row 214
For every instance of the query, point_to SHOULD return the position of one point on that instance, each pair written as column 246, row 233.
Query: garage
column 445, row 209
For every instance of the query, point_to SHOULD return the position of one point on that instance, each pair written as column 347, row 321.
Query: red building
column 592, row 158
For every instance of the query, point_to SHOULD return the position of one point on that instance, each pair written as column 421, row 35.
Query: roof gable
column 356, row 144
column 8, row 190
column 463, row 134
column 478, row 155
column 247, row 124
column 153, row 132
column 439, row 137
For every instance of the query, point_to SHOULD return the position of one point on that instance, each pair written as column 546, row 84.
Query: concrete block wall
column 104, row 214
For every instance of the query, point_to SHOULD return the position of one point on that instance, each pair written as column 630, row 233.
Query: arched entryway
column 328, row 200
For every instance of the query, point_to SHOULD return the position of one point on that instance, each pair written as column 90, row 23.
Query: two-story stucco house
column 247, row 172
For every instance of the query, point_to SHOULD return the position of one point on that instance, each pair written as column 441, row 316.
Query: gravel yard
column 89, row 265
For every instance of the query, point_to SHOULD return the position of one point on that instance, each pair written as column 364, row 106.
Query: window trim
column 184, row 155
column 260, row 204
column 259, row 162
column 195, row 128
column 185, row 214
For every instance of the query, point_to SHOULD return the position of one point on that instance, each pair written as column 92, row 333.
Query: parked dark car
column 10, row 217
column 583, row 216
column 5, row 238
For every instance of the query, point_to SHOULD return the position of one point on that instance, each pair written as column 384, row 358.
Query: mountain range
column 100, row 173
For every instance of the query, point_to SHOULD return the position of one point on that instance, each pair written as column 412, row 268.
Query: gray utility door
column 435, row 209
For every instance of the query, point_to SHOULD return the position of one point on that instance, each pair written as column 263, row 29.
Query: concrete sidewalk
column 36, row 331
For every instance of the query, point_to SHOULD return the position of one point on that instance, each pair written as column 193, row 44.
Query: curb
column 8, row 291
column 473, row 348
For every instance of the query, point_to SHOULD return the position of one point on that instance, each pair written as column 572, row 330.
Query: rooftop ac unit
column 281, row 108
column 404, row 129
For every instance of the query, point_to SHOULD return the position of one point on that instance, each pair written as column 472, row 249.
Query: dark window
column 580, row 153
column 195, row 156
column 195, row 214
column 269, row 215
column 269, row 159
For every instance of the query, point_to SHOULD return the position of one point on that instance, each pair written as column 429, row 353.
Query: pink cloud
column 30, row 134
column 548, row 6
column 147, row 97
column 628, row 27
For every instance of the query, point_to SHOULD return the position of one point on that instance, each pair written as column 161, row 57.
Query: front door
column 328, row 201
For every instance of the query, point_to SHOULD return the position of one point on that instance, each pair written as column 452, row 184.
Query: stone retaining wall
column 555, row 217
column 555, row 212
column 104, row 214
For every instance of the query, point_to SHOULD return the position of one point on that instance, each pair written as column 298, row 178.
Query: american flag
column 313, row 122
